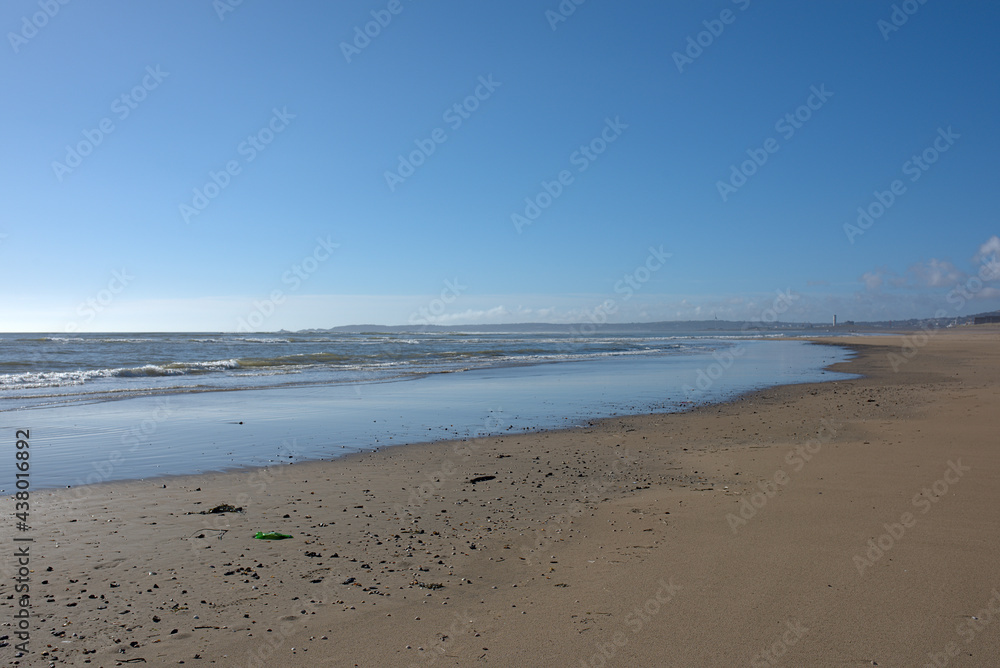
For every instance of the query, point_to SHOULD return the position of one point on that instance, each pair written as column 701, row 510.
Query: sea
column 106, row 407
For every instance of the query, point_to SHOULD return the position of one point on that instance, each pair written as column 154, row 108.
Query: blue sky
column 251, row 175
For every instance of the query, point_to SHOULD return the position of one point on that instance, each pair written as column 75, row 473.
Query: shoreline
column 155, row 436
column 610, row 542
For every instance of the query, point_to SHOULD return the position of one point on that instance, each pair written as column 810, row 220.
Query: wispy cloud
column 936, row 273
column 925, row 286
column 882, row 293
column 873, row 280
column 932, row 273
column 990, row 249
column 880, row 277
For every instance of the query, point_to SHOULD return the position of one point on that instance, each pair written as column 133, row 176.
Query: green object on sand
column 271, row 535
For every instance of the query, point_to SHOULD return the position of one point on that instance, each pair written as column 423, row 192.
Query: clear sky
column 203, row 165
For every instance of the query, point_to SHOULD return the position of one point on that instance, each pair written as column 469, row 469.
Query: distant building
column 834, row 319
column 987, row 320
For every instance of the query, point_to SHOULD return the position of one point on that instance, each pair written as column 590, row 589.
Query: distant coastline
column 665, row 326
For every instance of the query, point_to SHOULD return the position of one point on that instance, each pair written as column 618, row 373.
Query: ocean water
column 112, row 407
column 47, row 370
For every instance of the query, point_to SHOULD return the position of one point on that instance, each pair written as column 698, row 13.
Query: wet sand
column 851, row 523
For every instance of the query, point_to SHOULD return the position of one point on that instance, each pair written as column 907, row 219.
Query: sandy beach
column 849, row 523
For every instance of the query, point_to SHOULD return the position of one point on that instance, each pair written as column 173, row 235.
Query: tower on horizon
column 834, row 319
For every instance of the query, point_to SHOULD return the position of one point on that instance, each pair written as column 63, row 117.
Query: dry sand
column 876, row 541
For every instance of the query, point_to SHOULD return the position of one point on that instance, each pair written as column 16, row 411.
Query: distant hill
column 663, row 327
column 667, row 327
column 563, row 328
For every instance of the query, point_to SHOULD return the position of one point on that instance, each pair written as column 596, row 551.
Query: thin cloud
column 990, row 249
column 936, row 273
column 873, row 280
